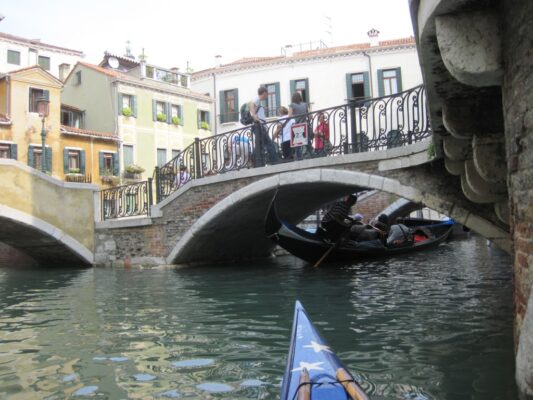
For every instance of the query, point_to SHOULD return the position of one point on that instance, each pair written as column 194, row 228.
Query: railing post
column 197, row 154
column 150, row 197
column 353, row 126
column 157, row 185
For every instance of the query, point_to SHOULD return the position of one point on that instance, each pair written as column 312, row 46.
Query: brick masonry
column 517, row 94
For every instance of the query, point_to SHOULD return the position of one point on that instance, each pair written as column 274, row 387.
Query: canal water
column 433, row 325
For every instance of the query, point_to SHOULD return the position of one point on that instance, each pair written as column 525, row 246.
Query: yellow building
column 71, row 153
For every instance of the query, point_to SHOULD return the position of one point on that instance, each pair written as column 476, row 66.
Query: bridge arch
column 234, row 227
column 41, row 240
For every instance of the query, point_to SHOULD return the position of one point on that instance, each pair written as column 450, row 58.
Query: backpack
column 246, row 116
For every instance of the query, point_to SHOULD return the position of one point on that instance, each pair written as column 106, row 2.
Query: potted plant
column 73, row 175
column 126, row 111
column 133, row 171
column 109, row 178
column 161, row 117
column 176, row 120
column 204, row 125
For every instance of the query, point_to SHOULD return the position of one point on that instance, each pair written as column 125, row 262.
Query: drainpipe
column 370, row 72
column 215, row 97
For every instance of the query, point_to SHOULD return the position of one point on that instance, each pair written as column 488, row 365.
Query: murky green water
column 434, row 325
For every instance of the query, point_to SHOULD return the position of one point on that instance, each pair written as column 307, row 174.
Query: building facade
column 325, row 77
column 70, row 154
column 153, row 111
column 18, row 52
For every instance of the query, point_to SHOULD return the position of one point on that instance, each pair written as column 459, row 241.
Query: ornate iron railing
column 359, row 126
column 127, row 200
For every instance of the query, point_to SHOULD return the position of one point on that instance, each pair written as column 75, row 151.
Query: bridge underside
column 45, row 249
column 238, row 232
column 234, row 228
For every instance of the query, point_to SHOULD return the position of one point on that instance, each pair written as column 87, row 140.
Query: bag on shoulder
column 246, row 116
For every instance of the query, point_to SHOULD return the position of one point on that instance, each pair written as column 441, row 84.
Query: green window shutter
column 82, row 161
column 349, row 93
column 182, row 120
column 292, row 89
column 31, row 161
column 120, row 104
column 65, row 161
column 198, row 115
column 366, row 79
column 13, row 151
column 235, row 115
column 134, row 105
column 46, row 94
column 381, row 89
column 223, row 116
column 116, row 165
column 154, row 110
column 399, row 79
column 101, row 163
column 278, row 99
column 49, row 159
column 169, row 113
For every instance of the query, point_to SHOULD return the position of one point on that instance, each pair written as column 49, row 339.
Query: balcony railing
column 359, row 126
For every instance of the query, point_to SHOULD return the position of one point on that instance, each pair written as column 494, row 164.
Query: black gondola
column 312, row 247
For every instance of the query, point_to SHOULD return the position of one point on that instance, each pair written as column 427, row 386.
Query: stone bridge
column 221, row 218
column 47, row 219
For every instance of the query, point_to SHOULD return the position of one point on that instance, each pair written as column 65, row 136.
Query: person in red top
column 322, row 142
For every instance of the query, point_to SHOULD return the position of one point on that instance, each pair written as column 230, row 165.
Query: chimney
column 373, row 35
column 142, row 64
column 64, row 69
column 288, row 50
column 218, row 60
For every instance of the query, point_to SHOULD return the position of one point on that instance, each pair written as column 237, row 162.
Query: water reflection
column 427, row 326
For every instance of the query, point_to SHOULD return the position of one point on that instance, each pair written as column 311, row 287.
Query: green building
column 151, row 109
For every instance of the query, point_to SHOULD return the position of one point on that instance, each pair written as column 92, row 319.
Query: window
column 35, row 155
column 73, row 159
column 301, row 86
column 272, row 106
column 357, row 86
column 229, row 106
column 161, row 157
column 203, row 119
column 175, row 153
column 5, row 150
column 108, row 163
column 13, row 57
column 127, row 105
column 78, row 78
column 159, row 111
column 44, row 62
column 176, row 116
column 71, row 118
column 390, row 81
column 127, row 153
column 34, row 96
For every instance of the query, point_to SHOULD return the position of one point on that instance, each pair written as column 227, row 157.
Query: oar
column 332, row 247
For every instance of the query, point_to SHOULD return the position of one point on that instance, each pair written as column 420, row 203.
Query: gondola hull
column 312, row 246
column 313, row 370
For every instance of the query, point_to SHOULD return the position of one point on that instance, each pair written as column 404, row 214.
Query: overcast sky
column 173, row 33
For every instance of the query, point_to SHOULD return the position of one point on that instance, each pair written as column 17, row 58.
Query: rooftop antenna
column 329, row 28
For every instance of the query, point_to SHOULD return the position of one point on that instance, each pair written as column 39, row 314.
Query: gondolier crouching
column 337, row 222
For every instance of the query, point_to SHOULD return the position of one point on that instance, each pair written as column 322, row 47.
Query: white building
column 17, row 52
column 326, row 77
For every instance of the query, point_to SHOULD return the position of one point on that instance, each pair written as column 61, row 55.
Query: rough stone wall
column 518, row 112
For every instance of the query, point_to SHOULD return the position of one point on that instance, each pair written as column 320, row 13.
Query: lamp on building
column 43, row 106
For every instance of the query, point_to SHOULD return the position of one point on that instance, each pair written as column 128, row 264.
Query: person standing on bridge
column 285, row 128
column 261, row 138
column 299, row 109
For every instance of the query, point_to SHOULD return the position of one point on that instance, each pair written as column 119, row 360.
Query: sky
column 180, row 33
